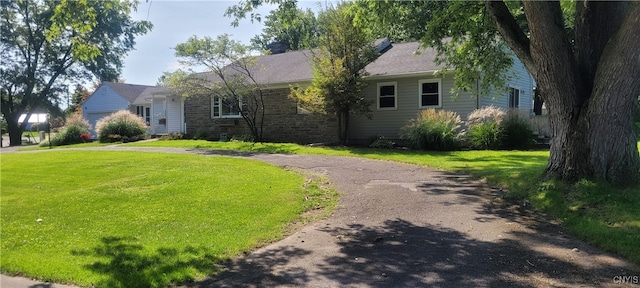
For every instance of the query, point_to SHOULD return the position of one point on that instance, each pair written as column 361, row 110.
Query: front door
column 159, row 118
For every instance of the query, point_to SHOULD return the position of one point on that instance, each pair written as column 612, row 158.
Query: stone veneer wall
column 283, row 123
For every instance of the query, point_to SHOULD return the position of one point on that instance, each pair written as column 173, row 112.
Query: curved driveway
column 400, row 225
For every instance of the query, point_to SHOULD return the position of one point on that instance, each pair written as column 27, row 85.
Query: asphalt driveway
column 401, row 225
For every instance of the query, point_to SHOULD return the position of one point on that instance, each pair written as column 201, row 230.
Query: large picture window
column 514, row 98
column 221, row 108
column 387, row 95
column 430, row 93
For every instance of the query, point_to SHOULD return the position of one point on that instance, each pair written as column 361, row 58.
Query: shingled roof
column 274, row 69
column 403, row 59
column 128, row 91
column 297, row 66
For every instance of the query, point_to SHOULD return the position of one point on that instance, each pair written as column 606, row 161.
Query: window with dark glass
column 429, row 94
column 386, row 95
column 514, row 98
column 222, row 108
column 144, row 113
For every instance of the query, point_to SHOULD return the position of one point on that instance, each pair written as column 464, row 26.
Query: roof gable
column 128, row 91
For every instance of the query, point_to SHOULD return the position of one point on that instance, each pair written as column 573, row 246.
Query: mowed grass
column 513, row 169
column 606, row 216
column 127, row 219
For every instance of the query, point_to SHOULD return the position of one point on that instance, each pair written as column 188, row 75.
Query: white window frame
column 514, row 92
column 395, row 95
column 420, row 82
column 214, row 107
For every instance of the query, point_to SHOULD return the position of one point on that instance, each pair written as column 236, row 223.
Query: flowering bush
column 72, row 132
column 86, row 137
column 121, row 126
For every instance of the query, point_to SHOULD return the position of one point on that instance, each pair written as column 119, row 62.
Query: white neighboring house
column 162, row 111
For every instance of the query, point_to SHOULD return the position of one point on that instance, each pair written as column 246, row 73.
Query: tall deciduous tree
column 400, row 21
column 295, row 28
column 239, row 11
column 585, row 58
column 344, row 52
column 230, row 78
column 80, row 94
column 45, row 44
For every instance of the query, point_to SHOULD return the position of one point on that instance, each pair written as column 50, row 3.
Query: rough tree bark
column 589, row 87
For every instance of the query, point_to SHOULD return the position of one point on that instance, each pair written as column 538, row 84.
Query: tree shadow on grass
column 125, row 263
column 258, row 270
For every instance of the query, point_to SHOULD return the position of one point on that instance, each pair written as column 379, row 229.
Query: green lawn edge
column 605, row 216
column 125, row 256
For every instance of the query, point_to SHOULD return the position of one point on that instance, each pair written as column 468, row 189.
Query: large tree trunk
column 591, row 105
column 15, row 132
column 616, row 87
column 589, row 87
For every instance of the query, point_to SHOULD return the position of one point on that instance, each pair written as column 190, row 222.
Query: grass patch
column 126, row 219
column 80, row 145
column 33, row 134
column 596, row 212
column 605, row 216
column 512, row 169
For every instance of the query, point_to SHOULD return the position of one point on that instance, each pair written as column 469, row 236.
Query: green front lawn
column 127, row 219
column 605, row 216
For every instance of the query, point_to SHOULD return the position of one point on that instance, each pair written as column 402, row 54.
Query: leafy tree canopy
column 344, row 52
column 229, row 77
column 295, row 28
column 47, row 44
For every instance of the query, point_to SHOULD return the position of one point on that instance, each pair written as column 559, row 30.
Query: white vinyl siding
column 174, row 115
column 520, row 80
column 388, row 123
column 93, row 119
column 103, row 102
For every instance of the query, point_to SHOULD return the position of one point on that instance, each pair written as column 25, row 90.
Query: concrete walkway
column 402, row 225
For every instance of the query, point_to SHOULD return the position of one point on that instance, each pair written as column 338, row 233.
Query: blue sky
column 174, row 22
